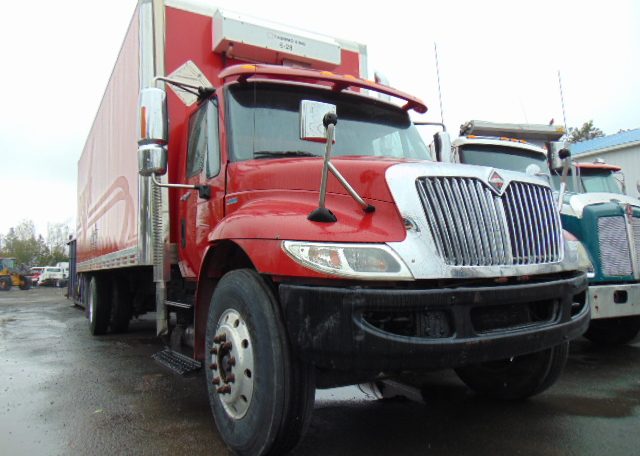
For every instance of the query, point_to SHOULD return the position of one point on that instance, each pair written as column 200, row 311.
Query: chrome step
column 182, row 305
column 177, row 362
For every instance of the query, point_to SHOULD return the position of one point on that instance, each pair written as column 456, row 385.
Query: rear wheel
column 120, row 307
column 5, row 283
column 613, row 331
column 261, row 396
column 519, row 377
column 98, row 305
column 25, row 283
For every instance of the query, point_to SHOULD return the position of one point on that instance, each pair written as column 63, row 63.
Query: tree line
column 584, row 133
column 32, row 249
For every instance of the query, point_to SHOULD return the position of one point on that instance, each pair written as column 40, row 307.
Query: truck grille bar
column 635, row 227
column 472, row 226
column 615, row 255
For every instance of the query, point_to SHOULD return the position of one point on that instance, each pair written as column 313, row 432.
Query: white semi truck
column 594, row 210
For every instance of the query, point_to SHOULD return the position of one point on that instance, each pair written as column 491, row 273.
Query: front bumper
column 401, row 329
column 610, row 301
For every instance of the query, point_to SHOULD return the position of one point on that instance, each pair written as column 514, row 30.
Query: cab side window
column 203, row 141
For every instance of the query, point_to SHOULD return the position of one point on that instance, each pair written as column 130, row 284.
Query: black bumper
column 399, row 329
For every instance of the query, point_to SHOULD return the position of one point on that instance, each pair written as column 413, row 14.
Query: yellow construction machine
column 9, row 277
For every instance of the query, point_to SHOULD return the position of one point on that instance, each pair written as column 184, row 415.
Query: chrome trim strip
column 120, row 259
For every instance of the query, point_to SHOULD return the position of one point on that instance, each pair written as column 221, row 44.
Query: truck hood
column 574, row 204
column 365, row 175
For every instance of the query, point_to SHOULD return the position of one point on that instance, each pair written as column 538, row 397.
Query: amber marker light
column 143, row 122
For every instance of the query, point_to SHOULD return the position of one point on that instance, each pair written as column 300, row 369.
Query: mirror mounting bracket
column 204, row 191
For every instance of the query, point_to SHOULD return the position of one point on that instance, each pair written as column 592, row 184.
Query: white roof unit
column 528, row 132
column 256, row 40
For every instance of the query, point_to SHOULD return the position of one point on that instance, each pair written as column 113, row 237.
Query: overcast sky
column 498, row 61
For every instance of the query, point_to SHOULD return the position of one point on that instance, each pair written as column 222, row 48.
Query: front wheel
column 519, row 377
column 5, row 283
column 261, row 396
column 613, row 331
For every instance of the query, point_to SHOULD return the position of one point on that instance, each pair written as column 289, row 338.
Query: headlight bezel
column 299, row 251
column 583, row 259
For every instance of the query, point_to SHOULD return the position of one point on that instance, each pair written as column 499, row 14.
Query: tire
column 519, row 377
column 613, row 331
column 5, row 283
column 26, row 283
column 98, row 306
column 120, row 307
column 278, row 390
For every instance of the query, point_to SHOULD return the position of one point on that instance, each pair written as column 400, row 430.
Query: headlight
column 584, row 261
column 575, row 247
column 360, row 261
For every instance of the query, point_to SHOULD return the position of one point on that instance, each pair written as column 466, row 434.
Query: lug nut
column 220, row 338
column 216, row 381
column 226, row 346
column 213, row 351
column 231, row 378
column 232, row 361
column 226, row 389
column 213, row 366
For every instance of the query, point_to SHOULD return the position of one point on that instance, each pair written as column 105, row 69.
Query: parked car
column 34, row 273
column 64, row 265
column 52, row 276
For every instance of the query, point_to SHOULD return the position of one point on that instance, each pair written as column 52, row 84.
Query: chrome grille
column 534, row 224
column 635, row 227
column 615, row 255
column 472, row 226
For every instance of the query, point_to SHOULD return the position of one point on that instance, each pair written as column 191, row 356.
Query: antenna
column 435, row 49
column 564, row 115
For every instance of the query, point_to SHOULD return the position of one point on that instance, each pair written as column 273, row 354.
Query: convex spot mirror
column 311, row 115
column 153, row 133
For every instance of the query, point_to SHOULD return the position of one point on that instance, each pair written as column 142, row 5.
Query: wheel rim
column 232, row 364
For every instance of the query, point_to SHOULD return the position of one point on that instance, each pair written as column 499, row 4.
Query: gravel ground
column 65, row 392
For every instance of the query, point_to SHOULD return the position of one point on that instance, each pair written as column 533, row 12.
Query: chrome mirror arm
column 322, row 214
column 204, row 191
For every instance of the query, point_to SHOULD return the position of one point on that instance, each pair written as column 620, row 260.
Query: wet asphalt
column 64, row 392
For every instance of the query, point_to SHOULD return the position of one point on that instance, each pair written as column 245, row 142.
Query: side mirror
column 638, row 185
column 563, row 154
column 444, row 150
column 555, row 150
column 153, row 134
column 311, row 120
column 152, row 160
column 619, row 176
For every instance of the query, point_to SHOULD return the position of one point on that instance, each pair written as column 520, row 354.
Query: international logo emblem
column 496, row 181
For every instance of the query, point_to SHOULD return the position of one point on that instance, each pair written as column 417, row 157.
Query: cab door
column 198, row 216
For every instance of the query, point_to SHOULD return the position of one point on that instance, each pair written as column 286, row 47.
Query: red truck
column 280, row 214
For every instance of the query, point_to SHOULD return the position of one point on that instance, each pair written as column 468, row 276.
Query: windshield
column 593, row 181
column 264, row 121
column 600, row 182
column 9, row 263
column 503, row 157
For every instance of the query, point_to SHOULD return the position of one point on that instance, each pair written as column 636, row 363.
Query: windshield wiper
column 282, row 153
